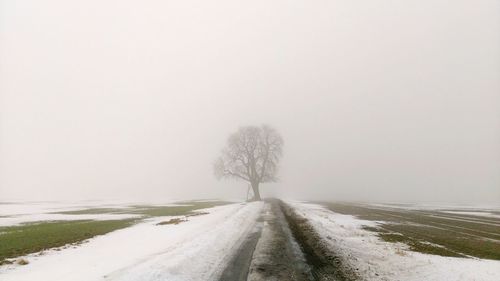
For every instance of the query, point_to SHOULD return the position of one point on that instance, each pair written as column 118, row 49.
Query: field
column 176, row 209
column 273, row 239
column 446, row 231
column 21, row 240
column 31, row 237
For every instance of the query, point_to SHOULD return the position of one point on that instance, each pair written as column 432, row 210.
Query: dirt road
column 284, row 247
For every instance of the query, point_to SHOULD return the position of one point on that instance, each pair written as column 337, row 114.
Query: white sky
column 376, row 99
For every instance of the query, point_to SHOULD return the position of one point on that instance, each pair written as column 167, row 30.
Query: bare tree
column 251, row 154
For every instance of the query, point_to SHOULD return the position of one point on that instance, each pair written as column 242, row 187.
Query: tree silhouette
column 251, row 154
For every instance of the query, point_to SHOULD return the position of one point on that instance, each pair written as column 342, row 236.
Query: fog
column 133, row 100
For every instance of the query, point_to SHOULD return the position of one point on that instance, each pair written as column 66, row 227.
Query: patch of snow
column 17, row 220
column 378, row 260
column 435, row 206
column 28, row 208
column 475, row 213
column 192, row 250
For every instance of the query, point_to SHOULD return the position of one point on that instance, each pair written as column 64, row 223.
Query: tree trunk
column 256, row 193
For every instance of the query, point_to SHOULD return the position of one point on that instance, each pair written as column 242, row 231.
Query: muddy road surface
column 283, row 246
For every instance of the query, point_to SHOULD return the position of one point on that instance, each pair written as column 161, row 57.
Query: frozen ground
column 16, row 213
column 192, row 250
column 439, row 206
column 474, row 213
column 20, row 219
column 374, row 259
column 205, row 246
column 36, row 208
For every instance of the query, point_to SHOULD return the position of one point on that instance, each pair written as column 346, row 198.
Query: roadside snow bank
column 375, row 259
column 192, row 250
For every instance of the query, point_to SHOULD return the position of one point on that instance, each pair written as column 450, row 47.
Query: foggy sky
column 376, row 100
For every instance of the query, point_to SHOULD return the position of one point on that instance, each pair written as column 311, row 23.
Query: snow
column 17, row 220
column 26, row 208
column 17, row 208
column 375, row 259
column 192, row 250
column 16, row 213
column 477, row 213
column 437, row 206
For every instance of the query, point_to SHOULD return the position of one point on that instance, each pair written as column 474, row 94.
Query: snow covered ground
column 200, row 248
column 20, row 219
column 474, row 213
column 439, row 207
column 36, row 208
column 16, row 213
column 375, row 259
column 192, row 250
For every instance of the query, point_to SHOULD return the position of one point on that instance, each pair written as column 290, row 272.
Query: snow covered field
column 17, row 213
column 201, row 247
column 36, row 208
column 192, row 250
column 375, row 259
column 475, row 213
column 20, row 219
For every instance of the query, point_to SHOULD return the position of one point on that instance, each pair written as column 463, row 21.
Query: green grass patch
column 183, row 208
column 30, row 238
